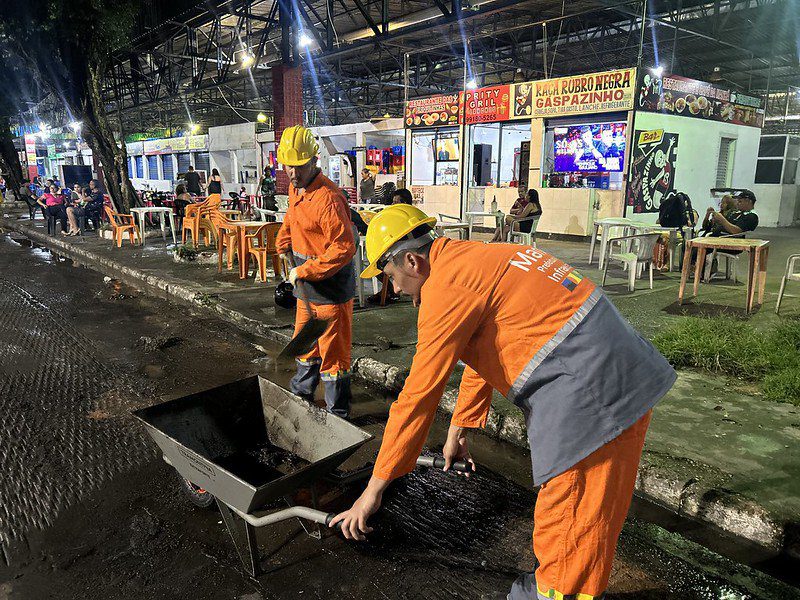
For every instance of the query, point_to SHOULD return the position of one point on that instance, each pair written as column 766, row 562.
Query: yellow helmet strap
column 404, row 244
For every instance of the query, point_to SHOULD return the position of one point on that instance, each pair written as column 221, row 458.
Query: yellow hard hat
column 390, row 226
column 297, row 146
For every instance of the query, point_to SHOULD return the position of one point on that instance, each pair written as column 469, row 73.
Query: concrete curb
column 685, row 487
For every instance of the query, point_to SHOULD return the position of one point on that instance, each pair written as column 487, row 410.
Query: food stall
column 434, row 135
column 693, row 137
column 377, row 145
column 155, row 164
column 514, row 134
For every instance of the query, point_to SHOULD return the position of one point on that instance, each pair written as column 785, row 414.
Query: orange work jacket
column 531, row 327
column 318, row 230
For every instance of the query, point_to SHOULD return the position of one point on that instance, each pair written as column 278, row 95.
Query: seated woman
column 78, row 210
column 182, row 199
column 524, row 208
column 52, row 203
column 726, row 207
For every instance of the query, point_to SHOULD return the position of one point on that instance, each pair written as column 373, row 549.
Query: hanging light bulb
column 261, row 118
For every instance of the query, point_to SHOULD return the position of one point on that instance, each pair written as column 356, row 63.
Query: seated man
column 739, row 221
column 402, row 196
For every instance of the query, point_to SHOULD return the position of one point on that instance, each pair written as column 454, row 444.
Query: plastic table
column 141, row 213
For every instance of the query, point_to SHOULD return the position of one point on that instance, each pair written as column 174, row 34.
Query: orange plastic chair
column 261, row 245
column 196, row 220
column 121, row 223
column 225, row 232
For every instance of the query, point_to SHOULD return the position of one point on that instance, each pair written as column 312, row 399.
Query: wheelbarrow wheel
column 197, row 495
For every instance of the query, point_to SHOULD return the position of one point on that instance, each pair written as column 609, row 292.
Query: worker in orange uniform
column 318, row 232
column 531, row 327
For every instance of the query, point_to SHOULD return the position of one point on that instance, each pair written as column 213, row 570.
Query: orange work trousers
column 334, row 346
column 579, row 516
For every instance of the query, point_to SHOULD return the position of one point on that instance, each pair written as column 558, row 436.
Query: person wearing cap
column 738, row 221
column 317, row 234
column 531, row 327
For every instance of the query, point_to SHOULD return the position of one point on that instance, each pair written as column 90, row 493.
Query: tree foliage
column 70, row 44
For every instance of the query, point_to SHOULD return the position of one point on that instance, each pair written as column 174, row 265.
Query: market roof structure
column 209, row 62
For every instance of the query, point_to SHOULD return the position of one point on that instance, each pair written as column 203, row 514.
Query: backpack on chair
column 676, row 211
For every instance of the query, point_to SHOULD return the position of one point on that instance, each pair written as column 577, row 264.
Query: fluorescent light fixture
column 194, row 127
column 472, row 84
column 305, row 40
column 657, row 71
column 247, row 60
column 261, row 118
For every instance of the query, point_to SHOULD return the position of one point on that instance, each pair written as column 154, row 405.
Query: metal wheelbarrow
column 223, row 442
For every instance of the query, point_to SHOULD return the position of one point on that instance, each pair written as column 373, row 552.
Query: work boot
column 524, row 588
column 337, row 393
column 305, row 382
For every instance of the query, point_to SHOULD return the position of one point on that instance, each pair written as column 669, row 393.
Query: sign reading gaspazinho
column 580, row 94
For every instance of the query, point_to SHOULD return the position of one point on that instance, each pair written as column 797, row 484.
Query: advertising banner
column 580, row 94
column 178, row 144
column 607, row 91
column 435, row 111
column 675, row 95
column 487, row 105
column 30, row 149
column 653, row 165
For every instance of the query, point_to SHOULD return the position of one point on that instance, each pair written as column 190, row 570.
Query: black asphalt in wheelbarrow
column 209, row 438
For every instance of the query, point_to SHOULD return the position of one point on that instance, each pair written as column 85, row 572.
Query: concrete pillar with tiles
column 287, row 103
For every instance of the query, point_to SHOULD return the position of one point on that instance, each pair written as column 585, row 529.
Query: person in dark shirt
column 402, row 196
column 738, row 221
column 193, row 181
column 361, row 226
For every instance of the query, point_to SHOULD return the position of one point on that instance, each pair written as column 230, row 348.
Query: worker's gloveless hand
column 354, row 521
column 455, row 449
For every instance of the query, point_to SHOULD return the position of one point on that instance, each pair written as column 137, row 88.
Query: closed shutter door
column 184, row 160
column 152, row 167
column 202, row 162
column 725, row 162
column 140, row 167
column 166, row 165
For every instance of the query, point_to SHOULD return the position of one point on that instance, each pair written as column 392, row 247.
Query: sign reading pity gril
column 580, row 94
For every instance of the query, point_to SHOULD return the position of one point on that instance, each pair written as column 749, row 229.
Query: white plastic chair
column 636, row 252
column 521, row 237
column 791, row 274
column 731, row 260
column 451, row 223
column 361, row 262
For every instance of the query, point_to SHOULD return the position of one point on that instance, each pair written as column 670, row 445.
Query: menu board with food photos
column 675, row 95
column 436, row 111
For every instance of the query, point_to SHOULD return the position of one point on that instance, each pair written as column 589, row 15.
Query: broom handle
column 301, row 289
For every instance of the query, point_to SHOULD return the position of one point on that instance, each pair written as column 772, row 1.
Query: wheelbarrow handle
column 437, row 462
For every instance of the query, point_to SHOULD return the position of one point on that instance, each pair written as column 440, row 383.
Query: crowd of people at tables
column 67, row 206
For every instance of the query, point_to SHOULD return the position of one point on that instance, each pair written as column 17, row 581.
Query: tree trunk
column 9, row 159
column 113, row 156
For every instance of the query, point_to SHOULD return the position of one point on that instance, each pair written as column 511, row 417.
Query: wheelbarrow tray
column 198, row 432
